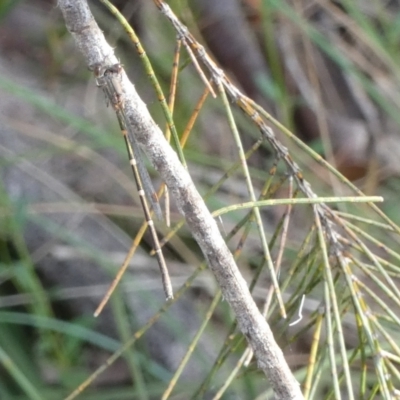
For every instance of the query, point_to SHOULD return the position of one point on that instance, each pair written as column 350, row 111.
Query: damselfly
column 108, row 78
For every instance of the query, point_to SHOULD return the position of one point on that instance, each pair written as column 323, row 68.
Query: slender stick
column 108, row 79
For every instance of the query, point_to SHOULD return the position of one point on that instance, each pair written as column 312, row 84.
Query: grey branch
column 94, row 48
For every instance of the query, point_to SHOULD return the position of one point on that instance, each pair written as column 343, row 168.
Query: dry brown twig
column 93, row 46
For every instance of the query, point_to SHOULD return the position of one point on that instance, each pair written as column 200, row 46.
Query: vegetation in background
column 345, row 343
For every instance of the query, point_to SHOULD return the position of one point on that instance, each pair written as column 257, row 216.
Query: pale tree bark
column 94, row 48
